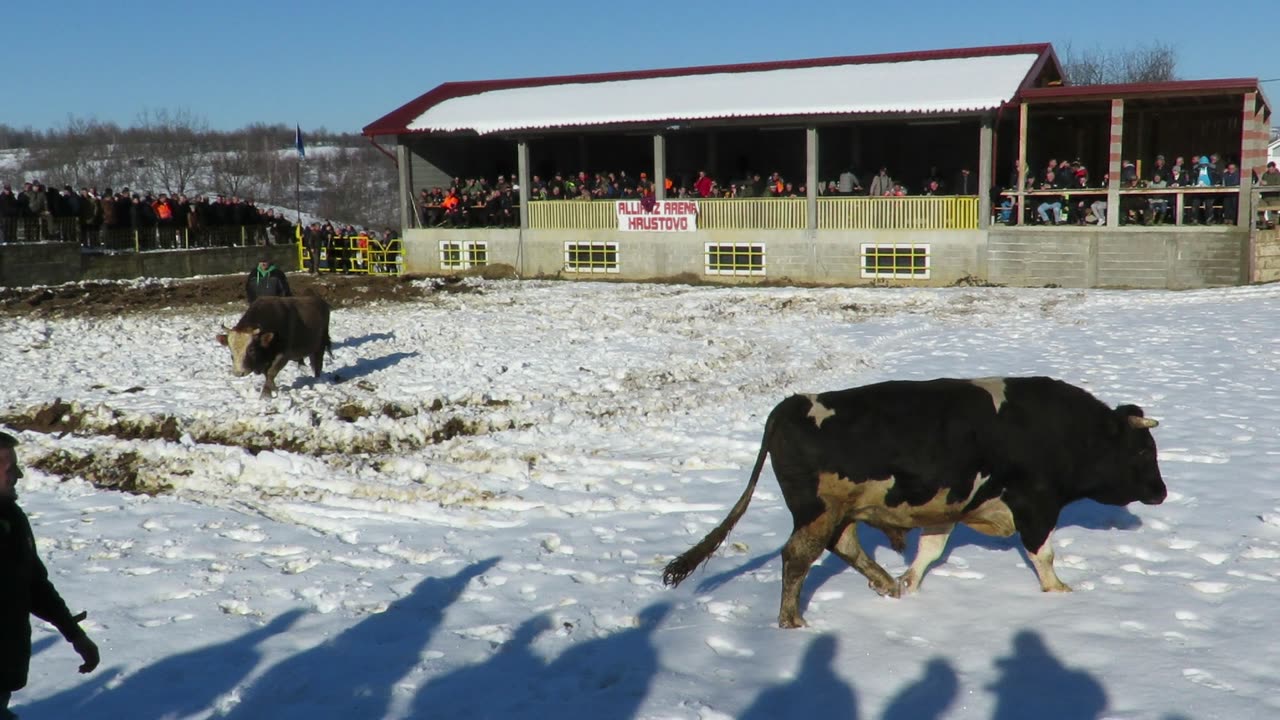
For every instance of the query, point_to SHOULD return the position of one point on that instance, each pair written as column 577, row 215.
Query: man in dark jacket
column 266, row 279
column 25, row 589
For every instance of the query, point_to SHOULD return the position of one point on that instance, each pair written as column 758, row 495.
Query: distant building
column 982, row 122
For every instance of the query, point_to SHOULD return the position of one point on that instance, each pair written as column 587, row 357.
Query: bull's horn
column 1142, row 422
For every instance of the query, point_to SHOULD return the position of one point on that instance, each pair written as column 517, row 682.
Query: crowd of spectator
column 38, row 212
column 479, row 202
column 1066, row 193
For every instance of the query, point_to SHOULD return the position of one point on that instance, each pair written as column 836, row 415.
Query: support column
column 1020, row 212
column 811, row 177
column 1113, row 163
column 522, row 178
column 1253, row 157
column 660, row 167
column 408, row 203
column 985, row 144
column 713, row 154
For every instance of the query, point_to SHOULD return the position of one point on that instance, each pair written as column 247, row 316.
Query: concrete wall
column 1267, row 254
column 1029, row 257
column 795, row 255
column 1133, row 257
column 26, row 264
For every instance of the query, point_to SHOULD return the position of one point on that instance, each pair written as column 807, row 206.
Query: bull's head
column 1129, row 465
column 249, row 349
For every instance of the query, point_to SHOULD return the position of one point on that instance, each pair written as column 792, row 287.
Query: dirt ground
column 122, row 298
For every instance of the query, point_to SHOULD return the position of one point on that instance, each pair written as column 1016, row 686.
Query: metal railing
column 573, row 215
column 834, row 213
column 355, row 254
column 898, row 213
column 154, row 237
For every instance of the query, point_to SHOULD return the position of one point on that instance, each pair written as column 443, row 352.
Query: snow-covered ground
column 486, row 538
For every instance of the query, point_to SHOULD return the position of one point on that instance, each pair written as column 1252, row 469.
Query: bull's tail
column 680, row 568
column 328, row 344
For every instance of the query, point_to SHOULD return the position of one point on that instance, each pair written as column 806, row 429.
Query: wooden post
column 811, row 177
column 1113, row 164
column 1021, row 210
column 408, row 203
column 522, row 179
column 659, row 167
column 985, row 142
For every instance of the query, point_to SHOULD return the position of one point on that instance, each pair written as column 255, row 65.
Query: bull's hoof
column 1060, row 588
column 887, row 589
column 905, row 586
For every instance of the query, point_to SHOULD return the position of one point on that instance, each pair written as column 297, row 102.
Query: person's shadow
column 177, row 686
column 927, row 698
column 606, row 677
column 352, row 674
column 1033, row 683
column 514, row 668
column 816, row 691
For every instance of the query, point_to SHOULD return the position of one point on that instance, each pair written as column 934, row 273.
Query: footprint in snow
column 1201, row 677
column 725, row 648
column 1211, row 588
column 250, row 534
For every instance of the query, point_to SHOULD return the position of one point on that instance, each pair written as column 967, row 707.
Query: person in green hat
column 266, row 279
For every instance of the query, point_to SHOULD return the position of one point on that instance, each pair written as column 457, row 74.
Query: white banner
column 666, row 216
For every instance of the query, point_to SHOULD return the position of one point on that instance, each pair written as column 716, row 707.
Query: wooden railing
column 898, row 213
column 834, row 213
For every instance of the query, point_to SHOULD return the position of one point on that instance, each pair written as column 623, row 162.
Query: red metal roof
column 396, row 122
column 1229, row 86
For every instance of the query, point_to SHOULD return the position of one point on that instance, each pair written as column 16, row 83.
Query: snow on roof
column 947, row 85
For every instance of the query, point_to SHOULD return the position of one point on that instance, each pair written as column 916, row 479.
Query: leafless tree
column 1099, row 66
column 172, row 142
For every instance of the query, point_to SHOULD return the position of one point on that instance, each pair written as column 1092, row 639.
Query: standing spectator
column 8, row 214
column 881, row 184
column 38, row 206
column 265, row 279
column 703, row 185
column 26, row 587
column 965, row 183
column 1231, row 200
column 848, row 183
column 1270, row 193
column 1201, row 205
column 90, row 217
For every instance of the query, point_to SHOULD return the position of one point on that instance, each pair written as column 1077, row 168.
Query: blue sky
column 342, row 64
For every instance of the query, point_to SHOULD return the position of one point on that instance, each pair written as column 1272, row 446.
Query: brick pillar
column 1113, row 163
column 1021, row 210
column 1253, row 155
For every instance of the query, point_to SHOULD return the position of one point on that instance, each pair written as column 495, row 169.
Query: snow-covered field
column 473, row 521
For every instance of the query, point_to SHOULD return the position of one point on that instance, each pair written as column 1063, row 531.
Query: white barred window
column 591, row 257
column 734, row 259
column 460, row 255
column 907, row 261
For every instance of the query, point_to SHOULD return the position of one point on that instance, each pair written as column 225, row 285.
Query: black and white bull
column 1001, row 455
column 275, row 330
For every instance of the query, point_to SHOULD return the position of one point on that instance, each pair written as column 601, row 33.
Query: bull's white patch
column 818, row 411
column 238, row 341
column 994, row 387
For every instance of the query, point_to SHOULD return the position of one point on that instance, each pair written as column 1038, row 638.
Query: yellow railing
column 356, row 254
column 573, row 215
column 752, row 214
column 834, row 213
column 898, row 213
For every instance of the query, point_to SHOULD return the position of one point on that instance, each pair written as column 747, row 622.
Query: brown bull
column 275, row 330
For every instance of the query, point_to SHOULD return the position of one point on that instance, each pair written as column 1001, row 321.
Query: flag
column 297, row 141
